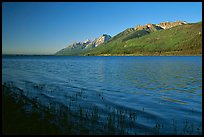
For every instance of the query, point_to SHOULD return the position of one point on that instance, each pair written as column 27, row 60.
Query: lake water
column 150, row 95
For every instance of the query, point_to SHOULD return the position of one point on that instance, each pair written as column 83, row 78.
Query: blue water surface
column 165, row 92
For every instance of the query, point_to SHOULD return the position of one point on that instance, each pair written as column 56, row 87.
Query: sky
column 47, row 27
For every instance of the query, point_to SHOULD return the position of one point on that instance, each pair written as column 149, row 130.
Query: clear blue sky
column 44, row 28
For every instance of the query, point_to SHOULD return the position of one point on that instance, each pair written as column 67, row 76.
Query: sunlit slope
column 179, row 40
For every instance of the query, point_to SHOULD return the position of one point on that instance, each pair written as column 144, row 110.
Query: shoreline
column 15, row 121
column 110, row 55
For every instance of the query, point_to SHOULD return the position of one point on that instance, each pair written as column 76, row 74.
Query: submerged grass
column 72, row 118
column 16, row 121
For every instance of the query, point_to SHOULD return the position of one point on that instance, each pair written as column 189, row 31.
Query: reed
column 73, row 118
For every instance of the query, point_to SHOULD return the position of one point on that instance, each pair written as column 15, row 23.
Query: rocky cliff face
column 148, row 27
column 128, row 30
column 101, row 40
column 168, row 25
column 75, row 44
column 87, row 41
column 163, row 25
column 80, row 46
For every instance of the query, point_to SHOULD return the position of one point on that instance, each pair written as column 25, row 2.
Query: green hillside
column 72, row 49
column 69, row 51
column 180, row 40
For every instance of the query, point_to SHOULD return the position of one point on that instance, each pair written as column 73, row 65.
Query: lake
column 115, row 95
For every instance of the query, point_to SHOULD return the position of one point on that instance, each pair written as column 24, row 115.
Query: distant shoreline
column 24, row 55
column 106, row 55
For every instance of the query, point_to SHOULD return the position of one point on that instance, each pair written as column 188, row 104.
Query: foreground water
column 122, row 95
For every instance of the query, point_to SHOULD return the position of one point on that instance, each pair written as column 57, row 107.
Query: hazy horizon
column 46, row 27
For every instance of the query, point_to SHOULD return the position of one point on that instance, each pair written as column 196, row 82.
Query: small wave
column 142, row 113
column 173, row 100
column 47, row 95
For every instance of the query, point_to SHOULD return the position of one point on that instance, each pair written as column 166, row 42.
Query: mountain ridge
column 78, row 47
column 157, row 39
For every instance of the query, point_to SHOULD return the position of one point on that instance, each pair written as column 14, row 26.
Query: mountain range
column 78, row 47
column 165, row 38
